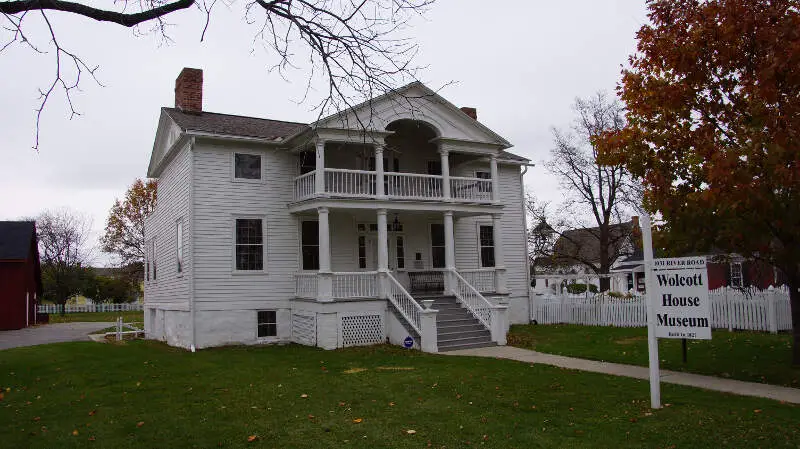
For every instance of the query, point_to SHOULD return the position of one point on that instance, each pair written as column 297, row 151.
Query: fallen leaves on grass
column 92, row 413
column 140, row 424
column 354, row 370
column 395, row 368
column 75, row 432
column 411, row 431
column 304, row 396
column 358, row 420
column 252, row 438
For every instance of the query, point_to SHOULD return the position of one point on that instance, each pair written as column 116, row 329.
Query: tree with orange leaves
column 124, row 235
column 713, row 100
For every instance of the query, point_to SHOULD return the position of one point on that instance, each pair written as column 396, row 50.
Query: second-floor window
column 484, row 186
column 247, row 166
column 249, row 244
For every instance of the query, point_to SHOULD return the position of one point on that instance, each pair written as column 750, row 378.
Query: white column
column 445, row 173
column 429, row 341
column 449, row 251
column 319, row 187
column 383, row 242
column 495, row 178
column 499, row 257
column 325, row 277
column 379, row 171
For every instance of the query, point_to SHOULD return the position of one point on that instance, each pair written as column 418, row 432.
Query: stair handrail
column 477, row 304
column 408, row 307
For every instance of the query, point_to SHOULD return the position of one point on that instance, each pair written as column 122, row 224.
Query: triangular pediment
column 414, row 101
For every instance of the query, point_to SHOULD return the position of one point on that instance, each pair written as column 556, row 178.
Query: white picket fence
column 732, row 309
column 70, row 308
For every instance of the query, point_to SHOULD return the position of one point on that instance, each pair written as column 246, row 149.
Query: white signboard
column 680, row 295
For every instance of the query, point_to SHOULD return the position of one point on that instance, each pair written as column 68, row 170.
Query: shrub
column 581, row 288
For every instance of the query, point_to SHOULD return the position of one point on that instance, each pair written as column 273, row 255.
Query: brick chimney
column 189, row 91
column 635, row 229
column 472, row 112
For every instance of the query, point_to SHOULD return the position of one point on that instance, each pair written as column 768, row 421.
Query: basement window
column 267, row 324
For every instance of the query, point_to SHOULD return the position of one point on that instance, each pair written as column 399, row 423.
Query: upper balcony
column 347, row 183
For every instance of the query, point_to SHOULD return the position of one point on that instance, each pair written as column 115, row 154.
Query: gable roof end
column 15, row 239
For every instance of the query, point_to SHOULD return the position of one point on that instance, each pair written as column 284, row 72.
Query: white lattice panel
column 362, row 330
column 304, row 329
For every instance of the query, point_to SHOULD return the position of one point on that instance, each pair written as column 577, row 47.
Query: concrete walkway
column 49, row 333
column 775, row 392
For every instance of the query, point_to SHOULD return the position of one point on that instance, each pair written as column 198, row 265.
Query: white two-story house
column 398, row 220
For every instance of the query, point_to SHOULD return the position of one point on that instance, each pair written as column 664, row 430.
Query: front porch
column 409, row 261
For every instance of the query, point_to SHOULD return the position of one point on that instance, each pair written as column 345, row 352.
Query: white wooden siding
column 174, row 187
column 512, row 223
column 217, row 201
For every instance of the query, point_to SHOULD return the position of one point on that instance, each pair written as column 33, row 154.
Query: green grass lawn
column 97, row 316
column 144, row 395
column 749, row 356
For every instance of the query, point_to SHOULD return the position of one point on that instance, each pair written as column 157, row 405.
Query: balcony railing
column 408, row 186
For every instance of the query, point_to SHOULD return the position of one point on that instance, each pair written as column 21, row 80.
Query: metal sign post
column 652, row 341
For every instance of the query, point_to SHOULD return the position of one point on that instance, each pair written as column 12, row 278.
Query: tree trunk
column 794, row 300
column 605, row 265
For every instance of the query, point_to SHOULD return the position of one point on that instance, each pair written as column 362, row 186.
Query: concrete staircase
column 456, row 327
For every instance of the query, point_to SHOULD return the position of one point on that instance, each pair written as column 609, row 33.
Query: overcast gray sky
column 520, row 63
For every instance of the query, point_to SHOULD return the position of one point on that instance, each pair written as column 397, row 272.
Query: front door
column 396, row 246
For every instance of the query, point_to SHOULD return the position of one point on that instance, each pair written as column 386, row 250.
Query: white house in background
column 402, row 217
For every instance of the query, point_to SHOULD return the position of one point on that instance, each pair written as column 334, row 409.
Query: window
column 267, row 324
column 401, row 251
column 148, row 255
column 629, row 278
column 247, row 166
column 437, row 245
column 486, row 237
column 249, row 244
column 362, row 252
column 435, row 168
column 736, row 274
column 308, row 162
column 310, row 243
column 179, row 244
column 484, row 186
column 153, row 252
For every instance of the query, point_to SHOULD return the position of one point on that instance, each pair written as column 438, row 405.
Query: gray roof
column 238, row 125
column 234, row 125
column 15, row 239
column 584, row 244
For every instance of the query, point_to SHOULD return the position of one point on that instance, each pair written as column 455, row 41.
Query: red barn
column 20, row 274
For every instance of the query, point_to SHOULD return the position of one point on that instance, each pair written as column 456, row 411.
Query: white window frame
column 179, row 247
column 740, row 283
column 260, row 180
column 267, row 338
column 478, row 225
column 264, row 242
column 430, row 245
column 148, row 260
column 153, row 259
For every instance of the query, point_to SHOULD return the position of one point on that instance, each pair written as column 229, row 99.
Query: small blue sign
column 408, row 342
